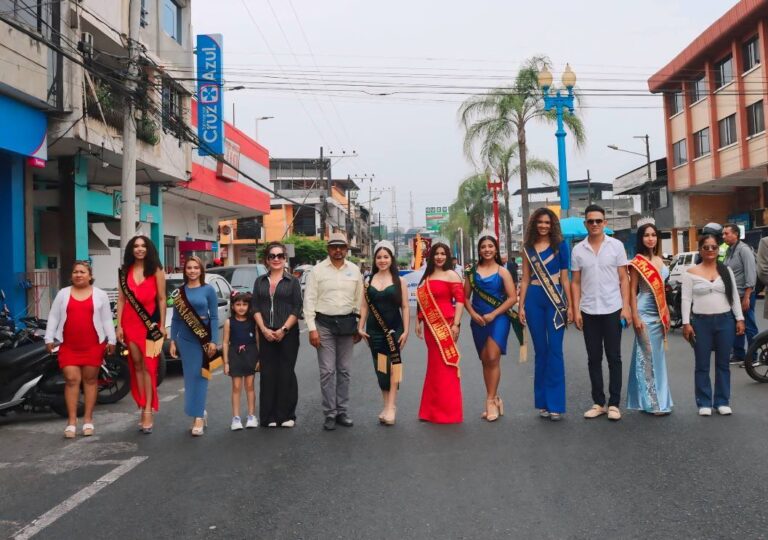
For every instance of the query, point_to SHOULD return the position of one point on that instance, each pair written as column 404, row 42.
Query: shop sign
column 210, row 96
column 225, row 171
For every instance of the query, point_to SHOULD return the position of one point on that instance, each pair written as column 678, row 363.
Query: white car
column 680, row 264
column 223, row 294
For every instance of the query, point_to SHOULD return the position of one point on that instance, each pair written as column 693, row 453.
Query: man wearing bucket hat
column 331, row 306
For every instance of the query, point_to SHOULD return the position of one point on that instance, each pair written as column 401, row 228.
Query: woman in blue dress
column 492, row 292
column 648, row 387
column 202, row 298
column 538, row 310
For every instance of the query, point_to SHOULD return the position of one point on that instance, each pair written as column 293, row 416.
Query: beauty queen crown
column 645, row 221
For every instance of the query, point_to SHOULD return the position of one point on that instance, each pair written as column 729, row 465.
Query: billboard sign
column 210, row 95
column 436, row 216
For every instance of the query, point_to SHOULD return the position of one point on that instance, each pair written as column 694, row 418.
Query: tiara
column 645, row 221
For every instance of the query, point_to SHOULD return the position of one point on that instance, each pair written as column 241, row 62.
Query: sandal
column 88, row 429
column 491, row 414
column 555, row 417
column 70, row 431
column 544, row 413
column 146, row 429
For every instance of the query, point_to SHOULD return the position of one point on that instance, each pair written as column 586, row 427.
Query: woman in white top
column 81, row 322
column 712, row 317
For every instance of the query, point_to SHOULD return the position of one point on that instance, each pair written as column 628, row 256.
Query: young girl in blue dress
column 490, row 324
column 240, row 358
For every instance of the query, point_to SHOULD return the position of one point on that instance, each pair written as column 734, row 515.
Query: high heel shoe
column 389, row 420
column 147, row 429
column 491, row 410
column 197, row 431
column 500, row 405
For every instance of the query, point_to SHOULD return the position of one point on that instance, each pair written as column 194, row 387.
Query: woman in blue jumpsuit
column 537, row 311
column 203, row 300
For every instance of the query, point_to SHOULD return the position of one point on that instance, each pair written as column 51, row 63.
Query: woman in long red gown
column 146, row 279
column 441, row 302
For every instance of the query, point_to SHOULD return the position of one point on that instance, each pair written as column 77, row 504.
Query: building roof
column 737, row 20
column 603, row 186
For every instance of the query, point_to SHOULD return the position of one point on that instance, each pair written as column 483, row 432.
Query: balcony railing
column 112, row 112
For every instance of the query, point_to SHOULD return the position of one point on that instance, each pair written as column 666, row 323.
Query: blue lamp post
column 560, row 102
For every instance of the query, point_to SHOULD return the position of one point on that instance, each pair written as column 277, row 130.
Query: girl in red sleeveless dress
column 146, row 280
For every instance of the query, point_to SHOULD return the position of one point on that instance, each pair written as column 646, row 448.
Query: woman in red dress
column 146, row 280
column 81, row 322
column 441, row 302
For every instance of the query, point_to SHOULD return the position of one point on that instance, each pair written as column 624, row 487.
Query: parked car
column 240, row 276
column 301, row 269
column 680, row 264
column 223, row 294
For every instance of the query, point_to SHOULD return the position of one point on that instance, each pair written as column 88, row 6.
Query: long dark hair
column 241, row 297
column 555, row 233
column 199, row 261
column 431, row 259
column 392, row 270
column 151, row 261
column 640, row 245
column 722, row 270
column 497, row 258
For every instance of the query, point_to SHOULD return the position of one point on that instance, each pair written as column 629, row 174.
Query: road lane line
column 171, row 397
column 78, row 498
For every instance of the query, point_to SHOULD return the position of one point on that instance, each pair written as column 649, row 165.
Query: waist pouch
column 339, row 325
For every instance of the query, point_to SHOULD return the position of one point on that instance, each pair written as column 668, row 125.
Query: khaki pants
column 334, row 357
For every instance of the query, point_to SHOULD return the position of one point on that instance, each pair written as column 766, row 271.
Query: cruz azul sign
column 210, row 97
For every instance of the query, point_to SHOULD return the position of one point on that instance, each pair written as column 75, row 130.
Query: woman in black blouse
column 277, row 305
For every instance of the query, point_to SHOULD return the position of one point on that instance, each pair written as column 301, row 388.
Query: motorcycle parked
column 674, row 303
column 756, row 363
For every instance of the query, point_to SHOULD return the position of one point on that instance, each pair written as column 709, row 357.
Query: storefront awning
column 25, row 129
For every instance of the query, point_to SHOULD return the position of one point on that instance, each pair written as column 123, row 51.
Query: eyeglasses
column 273, row 256
column 337, row 247
column 710, row 247
column 594, row 221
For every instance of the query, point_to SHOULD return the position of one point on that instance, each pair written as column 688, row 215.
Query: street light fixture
column 256, row 126
column 558, row 102
column 647, row 155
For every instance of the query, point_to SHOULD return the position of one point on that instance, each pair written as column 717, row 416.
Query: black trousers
column 604, row 331
column 278, row 388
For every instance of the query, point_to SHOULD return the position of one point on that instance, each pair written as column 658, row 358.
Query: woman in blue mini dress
column 492, row 292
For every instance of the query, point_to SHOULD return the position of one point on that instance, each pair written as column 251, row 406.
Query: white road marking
column 78, row 498
column 171, row 397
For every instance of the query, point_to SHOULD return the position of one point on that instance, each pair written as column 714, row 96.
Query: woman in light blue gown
column 648, row 386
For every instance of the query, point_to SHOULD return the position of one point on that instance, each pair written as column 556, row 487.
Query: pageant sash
column 198, row 328
column 438, row 326
column 154, row 344
column 652, row 277
column 392, row 344
column 550, row 289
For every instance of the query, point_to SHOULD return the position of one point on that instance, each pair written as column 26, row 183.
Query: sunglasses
column 710, row 248
column 337, row 247
column 273, row 256
column 594, row 221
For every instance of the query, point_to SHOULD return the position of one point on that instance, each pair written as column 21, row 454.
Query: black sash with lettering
column 392, row 344
column 154, row 343
column 201, row 330
column 556, row 297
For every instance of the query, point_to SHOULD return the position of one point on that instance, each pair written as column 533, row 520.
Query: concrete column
column 80, row 211
column 13, row 247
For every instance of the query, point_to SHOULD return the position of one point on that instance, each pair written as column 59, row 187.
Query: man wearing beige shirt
column 331, row 304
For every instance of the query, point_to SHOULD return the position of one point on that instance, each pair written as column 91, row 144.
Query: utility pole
column 589, row 189
column 394, row 218
column 128, row 212
column 411, row 213
column 323, row 201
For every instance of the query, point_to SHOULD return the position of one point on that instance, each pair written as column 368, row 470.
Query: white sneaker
column 252, row 422
column 725, row 410
column 272, row 424
column 288, row 423
column 705, row 411
column 236, row 424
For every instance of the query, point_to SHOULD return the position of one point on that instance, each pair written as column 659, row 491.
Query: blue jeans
column 713, row 332
column 739, row 348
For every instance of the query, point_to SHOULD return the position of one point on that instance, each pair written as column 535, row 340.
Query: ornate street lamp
column 558, row 102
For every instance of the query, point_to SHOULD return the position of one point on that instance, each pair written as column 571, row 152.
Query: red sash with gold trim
column 438, row 326
column 655, row 282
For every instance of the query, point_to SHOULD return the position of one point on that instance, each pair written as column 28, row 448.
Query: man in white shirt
column 331, row 304
column 600, row 290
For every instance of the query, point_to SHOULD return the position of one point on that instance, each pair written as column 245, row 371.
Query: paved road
column 522, row 477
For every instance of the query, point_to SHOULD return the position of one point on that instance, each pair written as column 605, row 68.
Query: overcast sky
column 316, row 67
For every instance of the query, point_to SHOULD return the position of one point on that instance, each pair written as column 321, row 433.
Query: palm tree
column 501, row 116
column 471, row 208
column 501, row 160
